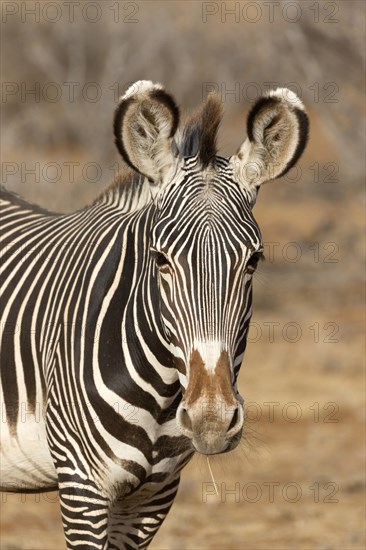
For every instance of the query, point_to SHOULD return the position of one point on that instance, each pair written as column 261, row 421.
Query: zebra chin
column 211, row 434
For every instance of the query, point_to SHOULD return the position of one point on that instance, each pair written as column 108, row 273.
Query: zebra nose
column 236, row 419
column 211, row 432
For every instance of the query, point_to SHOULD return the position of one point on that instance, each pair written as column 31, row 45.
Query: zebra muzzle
column 211, row 413
column 213, row 427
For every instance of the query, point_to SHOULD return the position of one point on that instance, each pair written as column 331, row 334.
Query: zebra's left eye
column 253, row 261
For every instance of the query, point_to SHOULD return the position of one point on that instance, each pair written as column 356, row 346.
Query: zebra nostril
column 234, row 419
column 185, row 420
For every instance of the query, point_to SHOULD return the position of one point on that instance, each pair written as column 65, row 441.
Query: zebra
column 124, row 324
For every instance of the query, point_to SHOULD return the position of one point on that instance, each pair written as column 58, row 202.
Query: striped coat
column 124, row 324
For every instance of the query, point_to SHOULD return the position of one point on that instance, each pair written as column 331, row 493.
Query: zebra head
column 205, row 243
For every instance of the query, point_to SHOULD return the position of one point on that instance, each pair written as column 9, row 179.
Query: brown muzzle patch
column 210, row 385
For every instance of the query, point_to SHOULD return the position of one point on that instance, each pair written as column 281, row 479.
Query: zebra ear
column 145, row 122
column 277, row 129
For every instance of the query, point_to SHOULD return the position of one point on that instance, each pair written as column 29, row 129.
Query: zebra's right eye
column 161, row 260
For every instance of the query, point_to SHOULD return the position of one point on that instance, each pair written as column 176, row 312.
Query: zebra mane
column 125, row 186
column 199, row 135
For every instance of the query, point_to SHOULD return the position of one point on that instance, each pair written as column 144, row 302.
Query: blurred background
column 297, row 480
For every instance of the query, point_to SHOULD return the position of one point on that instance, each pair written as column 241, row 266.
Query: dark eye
column 161, row 260
column 253, row 261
